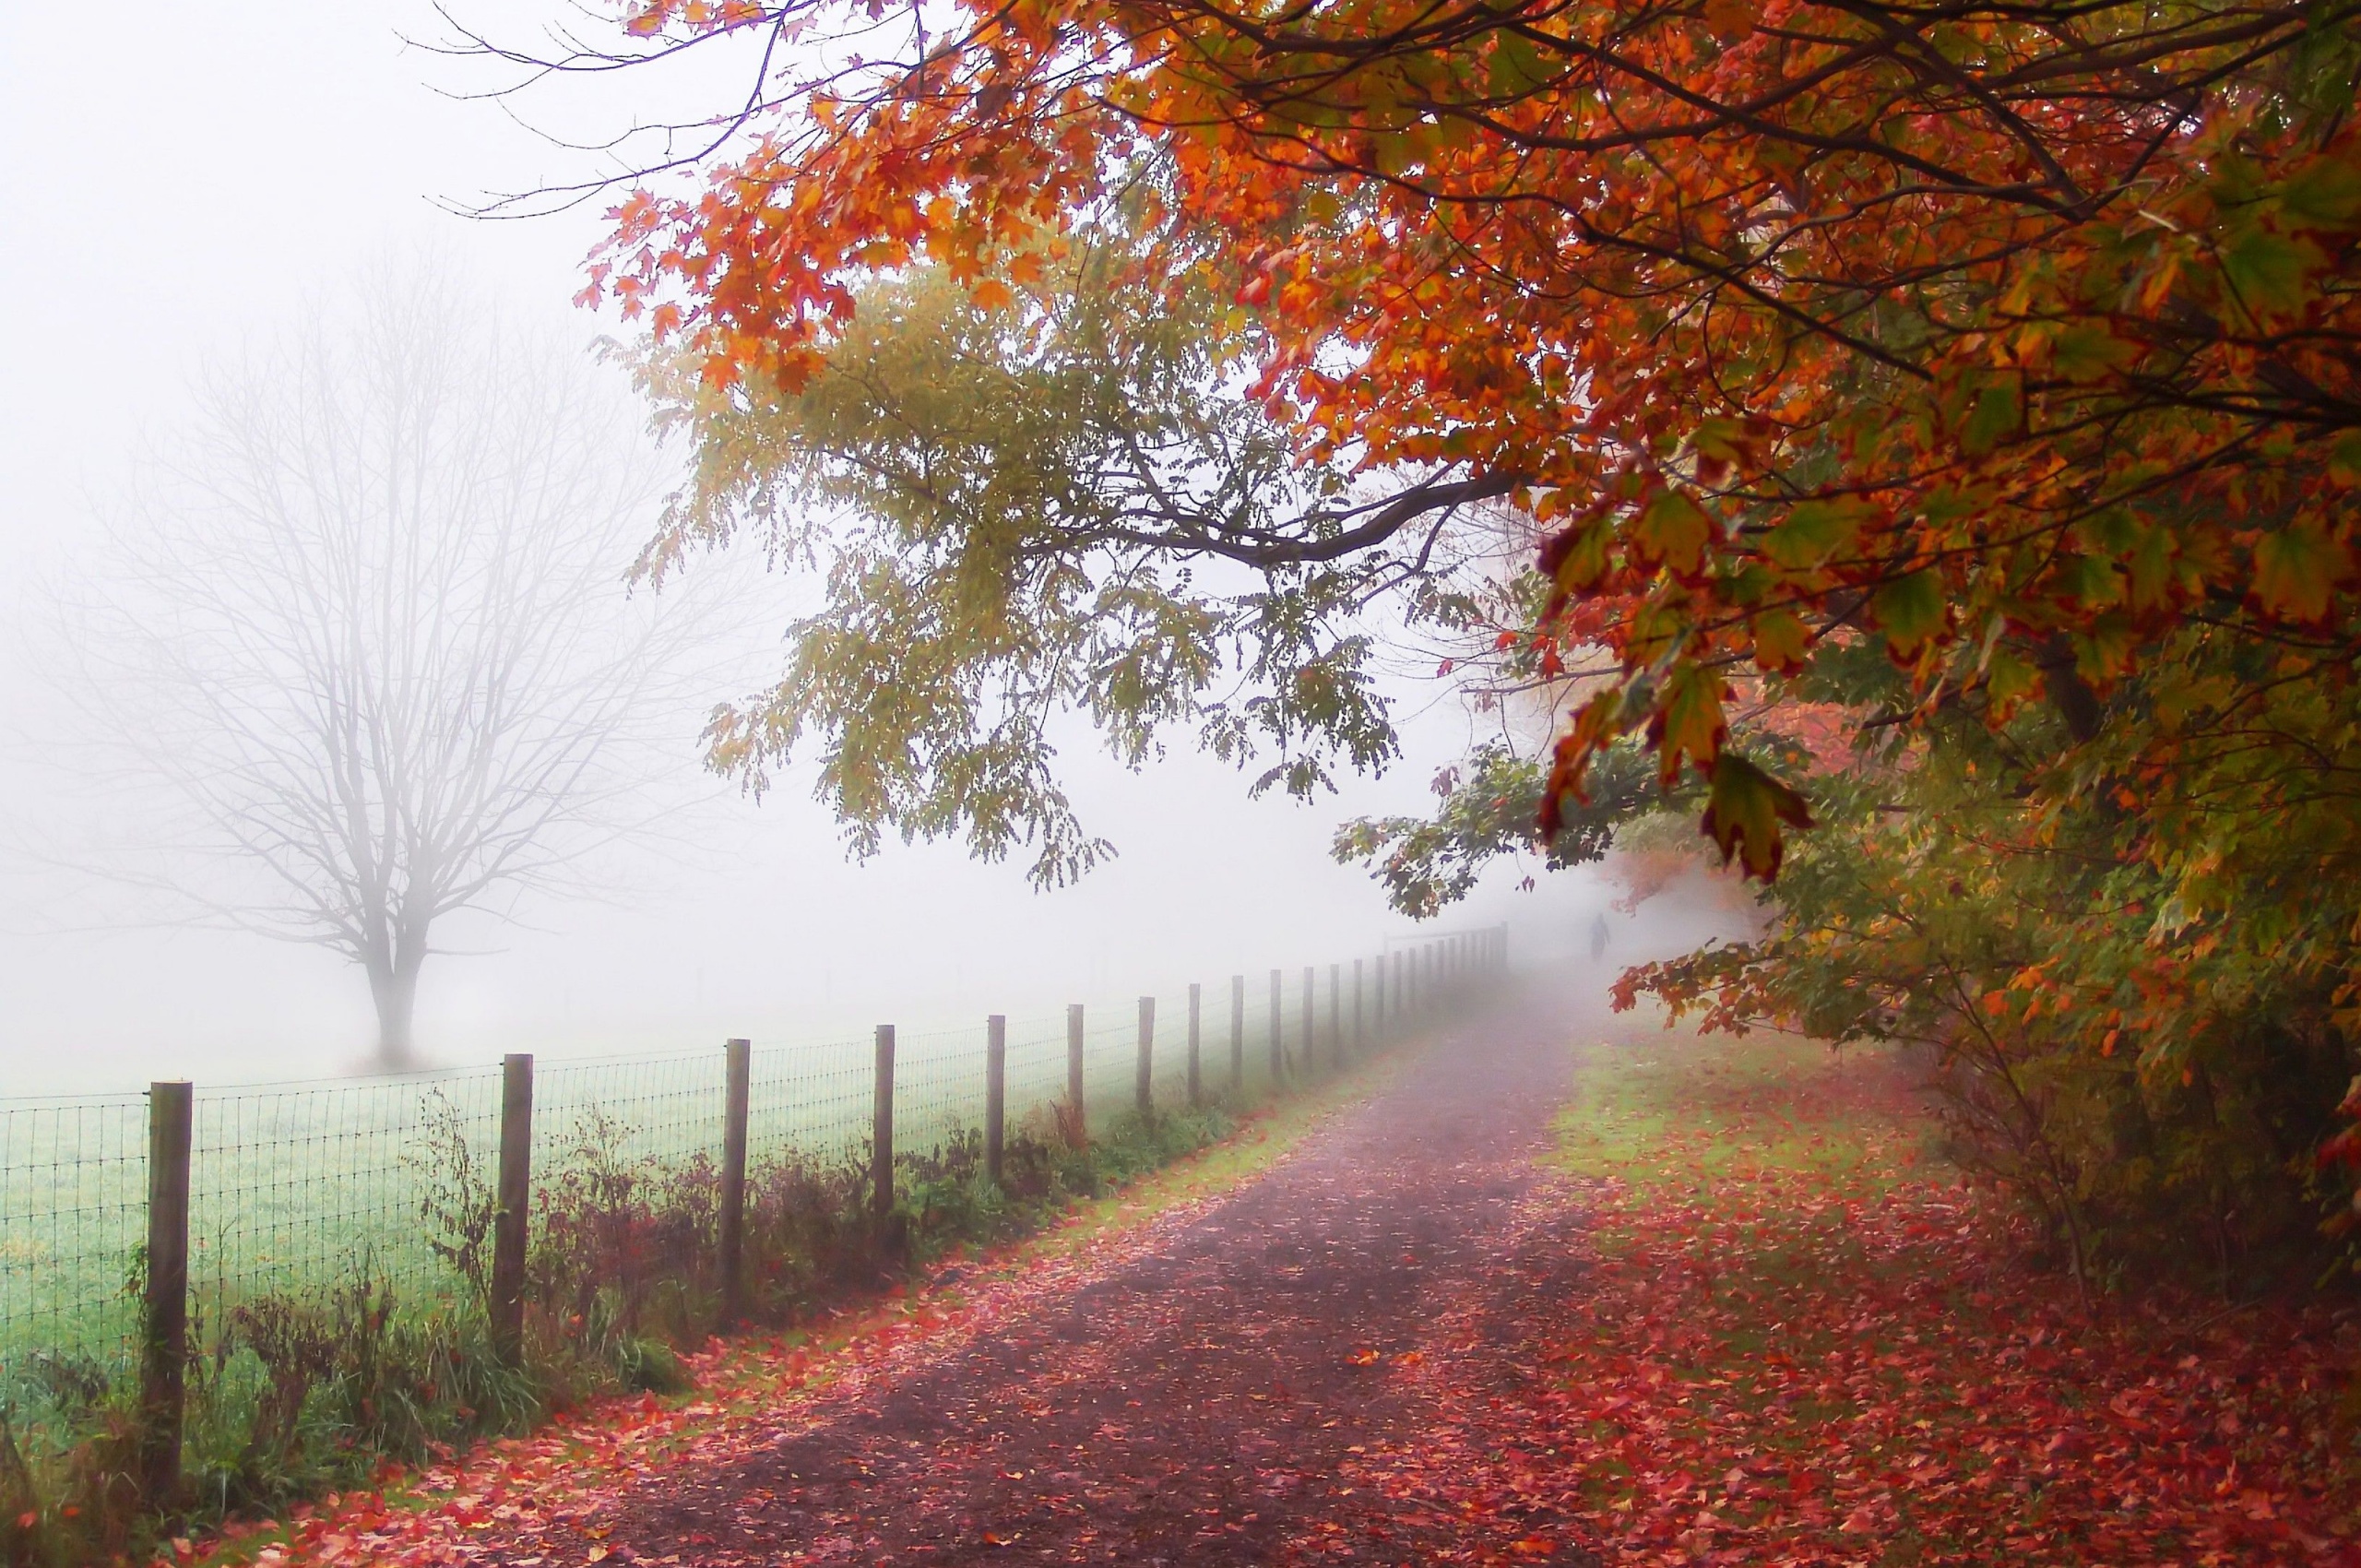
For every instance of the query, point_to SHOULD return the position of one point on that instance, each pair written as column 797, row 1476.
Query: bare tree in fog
column 366, row 620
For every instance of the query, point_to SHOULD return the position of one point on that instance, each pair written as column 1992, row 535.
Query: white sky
column 175, row 176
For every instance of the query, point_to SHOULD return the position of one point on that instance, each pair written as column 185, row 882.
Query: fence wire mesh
column 292, row 1186
column 1036, row 1074
column 815, row 1103
column 295, row 1187
column 938, row 1089
column 655, row 1111
column 73, row 1217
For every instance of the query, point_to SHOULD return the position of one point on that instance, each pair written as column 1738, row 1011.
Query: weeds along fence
column 234, row 1243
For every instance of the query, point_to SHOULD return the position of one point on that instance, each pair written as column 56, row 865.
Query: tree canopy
column 1989, row 371
column 1020, row 508
column 2017, row 337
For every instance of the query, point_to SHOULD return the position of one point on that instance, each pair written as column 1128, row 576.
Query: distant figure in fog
column 1598, row 936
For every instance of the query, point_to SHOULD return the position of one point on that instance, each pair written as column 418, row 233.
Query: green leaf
column 2344, row 460
column 1995, row 414
column 2327, row 195
column 1673, row 530
column 2150, row 563
column 1689, row 721
column 2087, row 351
column 1911, row 610
column 2295, row 570
column 2008, row 681
column 1517, row 67
column 1812, row 531
column 1780, row 640
column 2269, row 271
column 1743, row 814
column 1576, row 558
column 2090, row 582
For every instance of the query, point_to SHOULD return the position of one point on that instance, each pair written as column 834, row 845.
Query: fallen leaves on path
column 501, row 1498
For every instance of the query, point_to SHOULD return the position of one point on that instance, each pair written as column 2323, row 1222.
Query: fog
column 178, row 189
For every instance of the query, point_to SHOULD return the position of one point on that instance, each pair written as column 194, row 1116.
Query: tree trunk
column 393, row 985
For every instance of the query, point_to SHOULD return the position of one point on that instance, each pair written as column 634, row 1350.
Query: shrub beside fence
column 254, row 1233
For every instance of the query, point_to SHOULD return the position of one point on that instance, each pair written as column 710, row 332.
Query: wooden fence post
column 995, row 1092
column 515, row 1193
column 1279, row 1054
column 1238, row 1037
column 1196, row 1086
column 737, row 1075
column 1310, row 1002
column 1079, row 1132
column 1144, row 1093
column 881, row 1146
column 163, row 1362
column 1336, row 1013
column 1360, row 993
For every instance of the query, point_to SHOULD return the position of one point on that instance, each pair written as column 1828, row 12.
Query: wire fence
column 295, row 1186
column 73, row 1215
column 290, row 1184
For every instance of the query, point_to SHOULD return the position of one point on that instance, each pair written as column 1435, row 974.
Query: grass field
column 294, row 1185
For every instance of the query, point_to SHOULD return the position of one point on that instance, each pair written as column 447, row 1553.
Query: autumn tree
column 1788, row 318
column 2016, row 345
column 363, row 634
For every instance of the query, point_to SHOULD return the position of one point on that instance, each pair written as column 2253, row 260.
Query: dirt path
column 1216, row 1400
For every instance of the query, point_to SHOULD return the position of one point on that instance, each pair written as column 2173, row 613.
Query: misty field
column 297, row 1186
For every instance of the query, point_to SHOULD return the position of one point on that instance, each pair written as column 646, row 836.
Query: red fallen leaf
column 991, row 1540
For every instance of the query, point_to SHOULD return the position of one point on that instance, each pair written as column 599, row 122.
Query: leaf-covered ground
column 1719, row 1310
column 1798, row 1339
